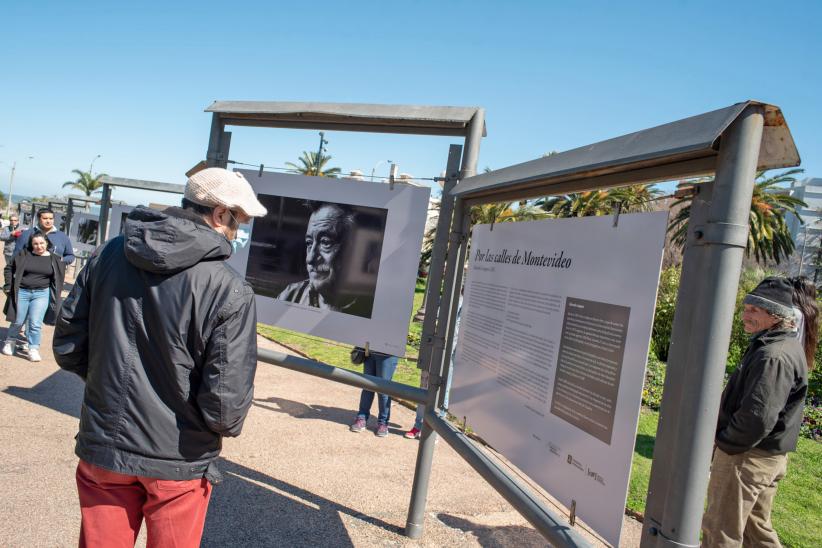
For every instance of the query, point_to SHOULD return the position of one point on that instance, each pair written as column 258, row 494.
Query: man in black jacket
column 760, row 416
column 164, row 334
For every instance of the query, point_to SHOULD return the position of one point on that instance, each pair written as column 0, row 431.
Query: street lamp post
column 323, row 142
column 91, row 167
column 11, row 183
column 373, row 169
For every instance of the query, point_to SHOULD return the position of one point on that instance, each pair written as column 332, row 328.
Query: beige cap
column 216, row 186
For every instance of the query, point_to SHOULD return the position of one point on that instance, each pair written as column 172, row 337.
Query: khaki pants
column 740, row 497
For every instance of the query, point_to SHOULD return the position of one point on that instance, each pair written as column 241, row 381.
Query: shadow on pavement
column 61, row 391
column 249, row 508
column 495, row 536
column 300, row 410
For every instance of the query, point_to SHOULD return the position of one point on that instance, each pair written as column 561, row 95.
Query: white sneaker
column 8, row 349
column 34, row 355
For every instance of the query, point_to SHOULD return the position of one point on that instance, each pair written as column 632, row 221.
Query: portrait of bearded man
column 327, row 235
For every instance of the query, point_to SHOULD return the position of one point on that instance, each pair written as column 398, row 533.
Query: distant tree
column 308, row 165
column 634, row 198
column 85, row 182
column 769, row 238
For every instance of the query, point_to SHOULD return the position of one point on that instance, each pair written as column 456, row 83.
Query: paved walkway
column 296, row 476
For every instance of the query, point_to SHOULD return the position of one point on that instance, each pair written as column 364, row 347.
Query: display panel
column 551, row 352
column 335, row 258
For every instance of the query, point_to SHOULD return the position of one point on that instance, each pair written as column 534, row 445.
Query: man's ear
column 220, row 216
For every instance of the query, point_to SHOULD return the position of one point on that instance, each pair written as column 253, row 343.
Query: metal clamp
column 721, row 234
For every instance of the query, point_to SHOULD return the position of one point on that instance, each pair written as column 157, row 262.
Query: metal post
column 425, row 453
column 105, row 205
column 218, row 143
column 440, row 247
column 434, row 347
column 69, row 215
column 443, row 365
column 11, row 186
column 675, row 373
column 721, row 243
column 320, row 152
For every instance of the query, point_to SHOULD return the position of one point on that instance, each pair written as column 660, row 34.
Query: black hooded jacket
column 164, row 334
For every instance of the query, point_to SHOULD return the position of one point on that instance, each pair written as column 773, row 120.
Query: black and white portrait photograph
column 334, row 258
column 317, row 253
column 87, row 231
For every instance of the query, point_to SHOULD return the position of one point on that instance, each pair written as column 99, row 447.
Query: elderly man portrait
column 327, row 240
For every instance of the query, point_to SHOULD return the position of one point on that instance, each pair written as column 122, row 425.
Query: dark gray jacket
column 164, row 334
column 763, row 402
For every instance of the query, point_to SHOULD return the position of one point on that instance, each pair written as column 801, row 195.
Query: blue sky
column 130, row 81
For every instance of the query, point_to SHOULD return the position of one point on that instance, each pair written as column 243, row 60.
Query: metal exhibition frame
column 403, row 119
column 733, row 142
column 105, row 200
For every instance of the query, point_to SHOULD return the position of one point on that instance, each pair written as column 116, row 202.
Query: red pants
column 113, row 506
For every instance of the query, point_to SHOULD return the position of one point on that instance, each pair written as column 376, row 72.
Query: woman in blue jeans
column 383, row 366
column 33, row 285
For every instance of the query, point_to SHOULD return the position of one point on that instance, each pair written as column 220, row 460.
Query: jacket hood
column 172, row 240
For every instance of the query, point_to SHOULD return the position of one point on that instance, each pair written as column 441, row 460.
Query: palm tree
column 308, row 165
column 768, row 235
column 85, row 183
column 633, row 198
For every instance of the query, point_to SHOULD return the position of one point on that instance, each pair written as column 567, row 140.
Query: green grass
column 797, row 509
column 337, row 354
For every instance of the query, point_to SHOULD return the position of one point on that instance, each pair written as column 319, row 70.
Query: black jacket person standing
column 760, row 415
column 164, row 334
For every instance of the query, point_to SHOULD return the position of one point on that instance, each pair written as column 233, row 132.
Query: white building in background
column 807, row 236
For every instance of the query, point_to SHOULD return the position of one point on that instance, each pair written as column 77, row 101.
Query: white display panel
column 84, row 227
column 335, row 258
column 117, row 219
column 553, row 342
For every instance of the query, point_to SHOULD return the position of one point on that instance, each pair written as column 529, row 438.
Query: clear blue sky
column 130, row 81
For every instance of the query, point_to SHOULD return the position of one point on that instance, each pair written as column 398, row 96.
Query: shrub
column 812, row 421
column 665, row 306
column 654, row 380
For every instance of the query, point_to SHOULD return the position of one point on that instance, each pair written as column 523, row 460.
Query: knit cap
column 774, row 295
column 216, row 186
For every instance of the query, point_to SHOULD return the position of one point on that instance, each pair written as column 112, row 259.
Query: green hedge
column 661, row 340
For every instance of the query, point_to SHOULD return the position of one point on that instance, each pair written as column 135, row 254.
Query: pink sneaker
column 358, row 425
column 413, row 434
column 381, row 431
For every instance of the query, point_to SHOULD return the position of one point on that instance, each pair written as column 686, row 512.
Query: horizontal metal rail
column 319, row 369
column 520, row 497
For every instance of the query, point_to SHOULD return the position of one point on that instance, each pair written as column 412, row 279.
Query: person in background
column 376, row 365
column 164, row 335
column 760, row 414
column 9, row 235
column 33, row 286
column 416, row 430
column 45, row 225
